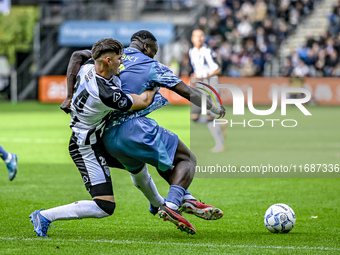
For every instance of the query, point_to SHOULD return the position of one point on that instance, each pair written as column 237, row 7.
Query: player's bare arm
column 195, row 96
column 77, row 59
column 143, row 100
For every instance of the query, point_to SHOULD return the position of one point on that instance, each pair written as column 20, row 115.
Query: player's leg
column 217, row 133
column 118, row 142
column 188, row 203
column 11, row 162
column 142, row 140
column 102, row 205
column 96, row 177
column 144, row 182
column 179, row 177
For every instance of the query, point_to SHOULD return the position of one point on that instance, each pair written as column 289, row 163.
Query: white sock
column 9, row 158
column 77, row 210
column 217, row 134
column 190, row 197
column 144, row 182
column 171, row 205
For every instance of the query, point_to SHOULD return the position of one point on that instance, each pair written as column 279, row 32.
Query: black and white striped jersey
column 203, row 61
column 93, row 100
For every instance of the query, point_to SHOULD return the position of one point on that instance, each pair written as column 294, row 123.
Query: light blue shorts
column 141, row 140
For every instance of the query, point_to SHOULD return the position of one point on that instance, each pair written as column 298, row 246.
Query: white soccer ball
column 279, row 218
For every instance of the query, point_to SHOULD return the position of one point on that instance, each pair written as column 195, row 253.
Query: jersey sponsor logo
column 122, row 103
column 116, row 96
column 129, row 58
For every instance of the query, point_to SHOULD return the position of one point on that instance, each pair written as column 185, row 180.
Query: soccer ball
column 279, row 218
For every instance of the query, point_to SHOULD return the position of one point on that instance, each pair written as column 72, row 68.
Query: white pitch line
column 170, row 243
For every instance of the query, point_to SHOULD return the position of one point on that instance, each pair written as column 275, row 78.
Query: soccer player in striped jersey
column 97, row 94
column 205, row 67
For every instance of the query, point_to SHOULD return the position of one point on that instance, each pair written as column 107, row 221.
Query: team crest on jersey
column 116, row 96
column 122, row 103
column 121, row 67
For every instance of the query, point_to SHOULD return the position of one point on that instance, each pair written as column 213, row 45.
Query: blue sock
column 187, row 192
column 187, row 195
column 3, row 153
column 175, row 195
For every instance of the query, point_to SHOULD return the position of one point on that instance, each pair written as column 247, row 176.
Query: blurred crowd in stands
column 246, row 34
column 168, row 4
column 318, row 56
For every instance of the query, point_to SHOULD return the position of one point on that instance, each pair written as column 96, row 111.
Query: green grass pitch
column 47, row 177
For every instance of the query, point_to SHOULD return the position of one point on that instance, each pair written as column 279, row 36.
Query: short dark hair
column 106, row 45
column 143, row 35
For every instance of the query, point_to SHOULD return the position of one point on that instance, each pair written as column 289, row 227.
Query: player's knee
column 106, row 206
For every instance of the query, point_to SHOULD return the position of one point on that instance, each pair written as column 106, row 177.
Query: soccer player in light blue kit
column 135, row 140
column 11, row 162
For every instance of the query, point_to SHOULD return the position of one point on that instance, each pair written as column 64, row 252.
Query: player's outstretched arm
column 143, row 100
column 195, row 97
column 77, row 59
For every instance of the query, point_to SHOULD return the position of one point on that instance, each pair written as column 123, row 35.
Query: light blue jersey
column 131, row 137
column 139, row 73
